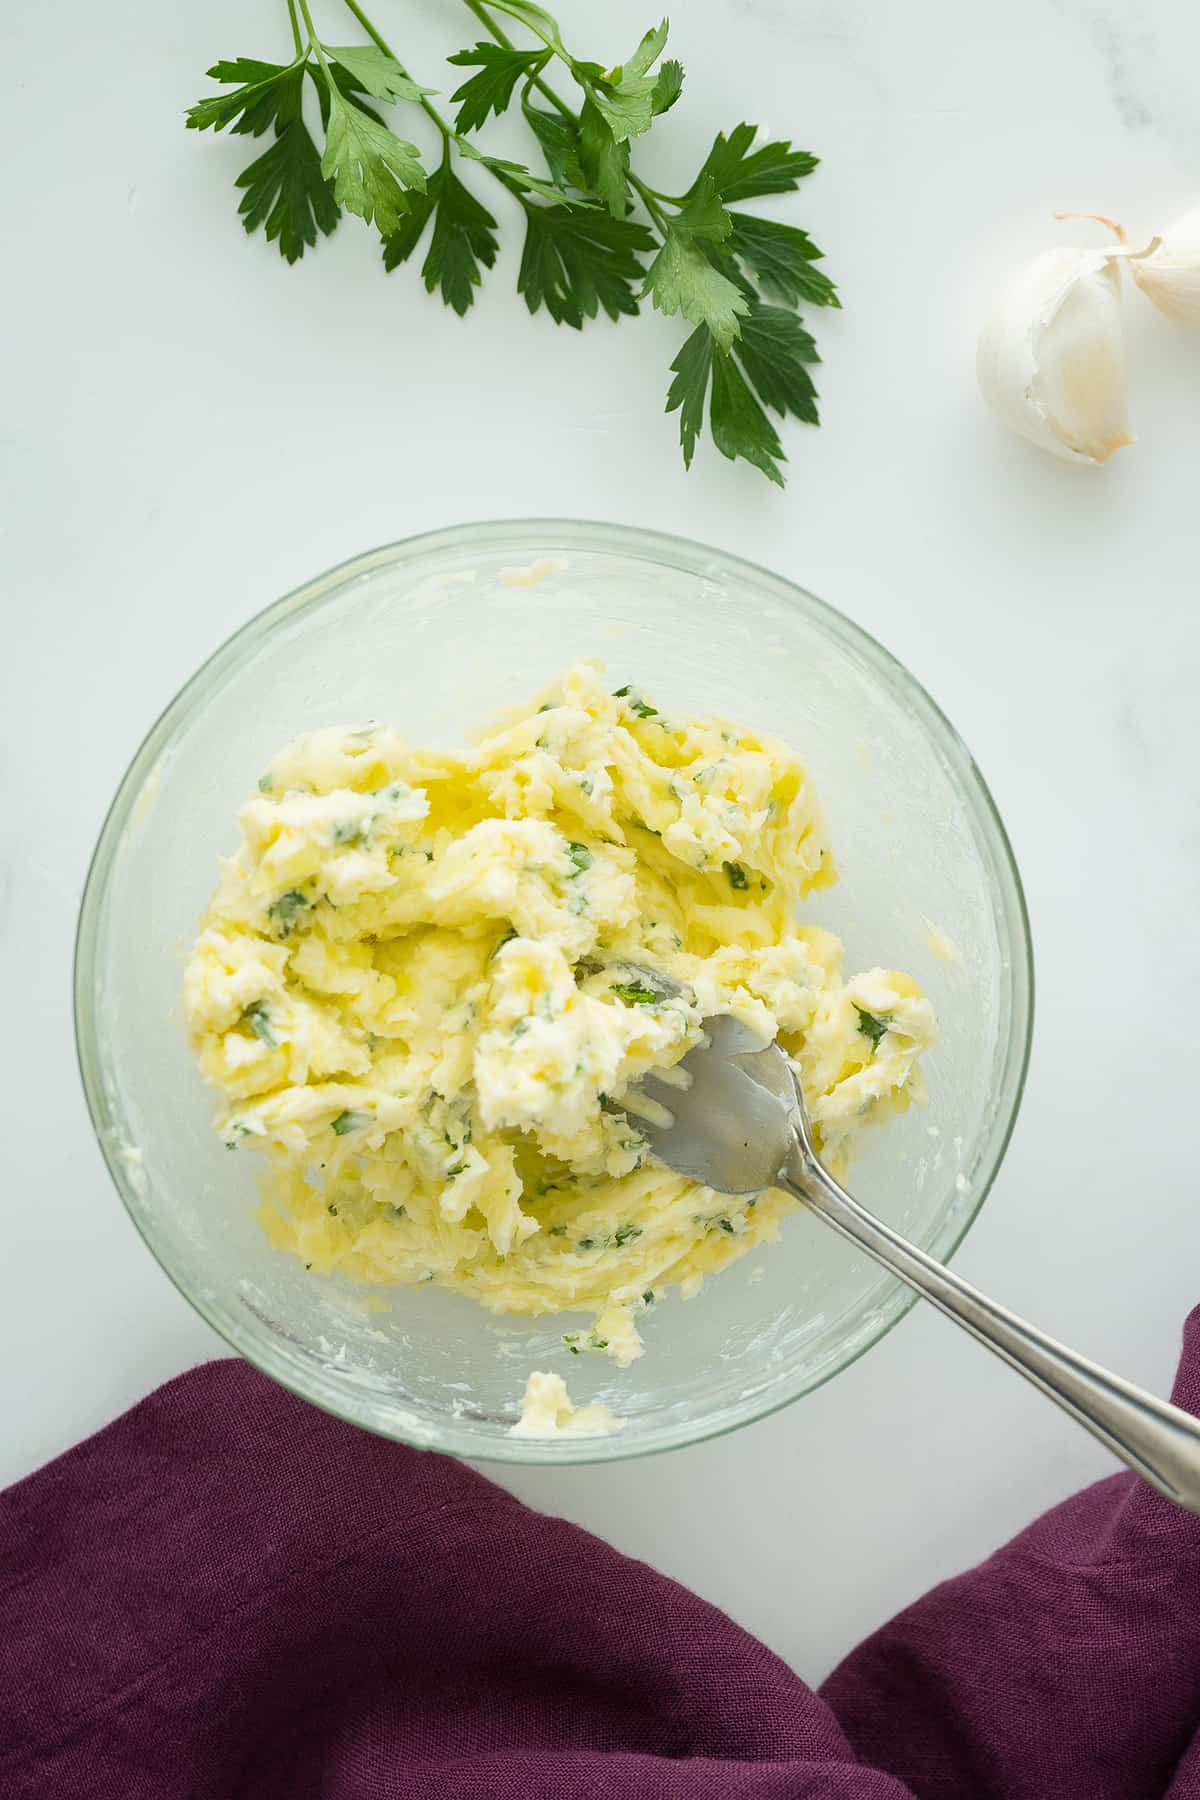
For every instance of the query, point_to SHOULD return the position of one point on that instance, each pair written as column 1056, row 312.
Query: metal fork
column 731, row 1115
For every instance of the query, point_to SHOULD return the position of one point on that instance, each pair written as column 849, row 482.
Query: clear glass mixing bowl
column 431, row 636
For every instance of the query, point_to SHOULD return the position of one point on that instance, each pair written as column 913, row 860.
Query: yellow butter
column 412, row 990
column 547, row 1411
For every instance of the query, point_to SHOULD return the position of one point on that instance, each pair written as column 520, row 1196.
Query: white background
column 190, row 428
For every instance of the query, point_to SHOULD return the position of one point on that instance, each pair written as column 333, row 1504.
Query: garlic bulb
column 1170, row 275
column 1051, row 361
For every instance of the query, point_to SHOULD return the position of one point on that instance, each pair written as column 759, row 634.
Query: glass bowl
column 432, row 635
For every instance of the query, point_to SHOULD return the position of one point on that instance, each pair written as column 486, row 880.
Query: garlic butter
column 415, row 991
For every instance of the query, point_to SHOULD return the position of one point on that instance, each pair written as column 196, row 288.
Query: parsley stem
column 551, row 42
column 296, row 38
column 370, row 30
column 314, row 42
column 650, row 201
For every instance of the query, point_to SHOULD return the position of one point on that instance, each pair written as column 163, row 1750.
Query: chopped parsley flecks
column 284, row 912
column 575, row 1341
column 634, row 995
column 238, row 1129
column 351, row 1121
column 873, row 1027
column 637, row 705
column 256, row 1017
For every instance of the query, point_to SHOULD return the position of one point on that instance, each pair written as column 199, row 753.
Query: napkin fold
column 226, row 1594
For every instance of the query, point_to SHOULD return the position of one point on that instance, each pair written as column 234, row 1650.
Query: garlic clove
column 1170, row 274
column 1051, row 360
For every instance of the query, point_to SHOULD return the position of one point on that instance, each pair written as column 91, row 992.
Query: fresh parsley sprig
column 293, row 191
column 597, row 236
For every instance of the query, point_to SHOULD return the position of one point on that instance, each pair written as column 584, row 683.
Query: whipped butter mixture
column 547, row 1411
column 416, row 990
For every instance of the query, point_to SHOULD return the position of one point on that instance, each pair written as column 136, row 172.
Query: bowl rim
column 892, row 1301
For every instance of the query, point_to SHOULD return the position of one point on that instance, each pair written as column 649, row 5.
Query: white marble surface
column 190, row 428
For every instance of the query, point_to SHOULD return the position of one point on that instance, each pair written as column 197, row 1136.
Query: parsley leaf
column 683, row 279
column 558, row 137
column 773, row 349
column 667, row 88
column 873, row 1027
column 346, row 84
column 491, row 91
column 603, row 162
column 702, row 216
column 736, row 875
column 689, row 276
column 739, row 172
column 739, row 425
column 286, row 193
column 375, row 72
column 284, row 189
column 644, row 57
column 576, row 262
column 625, row 98
column 463, row 238
column 266, row 89
column 371, row 169
column 780, row 259
column 517, row 178
column 687, row 392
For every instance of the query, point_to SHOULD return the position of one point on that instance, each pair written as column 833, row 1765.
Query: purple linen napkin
column 226, row 1594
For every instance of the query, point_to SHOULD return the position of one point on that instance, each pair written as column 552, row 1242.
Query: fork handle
column 1158, row 1441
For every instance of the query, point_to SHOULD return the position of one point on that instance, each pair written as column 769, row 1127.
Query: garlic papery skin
column 1051, row 360
column 1170, row 275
